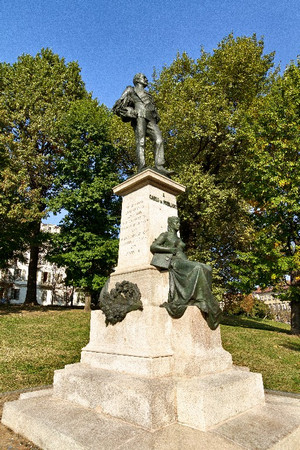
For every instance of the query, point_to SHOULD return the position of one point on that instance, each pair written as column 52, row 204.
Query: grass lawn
column 34, row 342
column 265, row 346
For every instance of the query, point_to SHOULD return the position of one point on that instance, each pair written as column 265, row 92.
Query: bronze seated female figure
column 190, row 281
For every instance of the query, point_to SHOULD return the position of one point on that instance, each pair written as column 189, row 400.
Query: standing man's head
column 140, row 78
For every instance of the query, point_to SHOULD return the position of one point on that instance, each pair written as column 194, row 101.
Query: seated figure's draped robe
column 190, row 283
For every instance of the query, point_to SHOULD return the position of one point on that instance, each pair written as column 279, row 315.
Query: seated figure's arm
column 159, row 245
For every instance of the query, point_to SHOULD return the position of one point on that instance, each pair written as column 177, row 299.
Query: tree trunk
column 295, row 317
column 295, row 303
column 87, row 303
column 33, row 265
column 72, row 297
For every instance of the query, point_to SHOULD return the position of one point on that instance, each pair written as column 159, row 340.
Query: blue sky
column 114, row 39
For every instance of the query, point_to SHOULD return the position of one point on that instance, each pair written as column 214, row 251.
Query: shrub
column 238, row 304
column 260, row 310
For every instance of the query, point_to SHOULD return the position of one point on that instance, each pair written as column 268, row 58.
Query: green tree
column 12, row 229
column 34, row 93
column 202, row 104
column 87, row 245
column 272, row 181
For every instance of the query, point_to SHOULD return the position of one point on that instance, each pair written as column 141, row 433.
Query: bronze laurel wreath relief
column 122, row 299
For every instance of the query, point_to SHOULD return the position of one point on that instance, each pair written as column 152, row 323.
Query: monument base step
column 141, row 401
column 54, row 424
column 215, row 398
column 154, row 402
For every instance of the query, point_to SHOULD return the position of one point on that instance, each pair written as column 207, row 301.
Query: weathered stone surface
column 203, row 402
column 197, row 349
column 177, row 437
column 153, row 284
column 273, row 426
column 147, row 371
column 139, row 345
column 148, row 200
column 157, row 366
column 141, row 333
column 40, row 393
column 150, row 342
column 145, row 178
column 55, row 424
column 143, row 401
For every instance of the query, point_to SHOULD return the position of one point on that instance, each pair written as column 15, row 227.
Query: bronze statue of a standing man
column 137, row 106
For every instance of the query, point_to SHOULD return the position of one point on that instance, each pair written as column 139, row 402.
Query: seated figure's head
column 140, row 78
column 173, row 223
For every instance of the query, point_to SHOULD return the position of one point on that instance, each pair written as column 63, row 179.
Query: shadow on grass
column 19, row 309
column 248, row 322
column 295, row 346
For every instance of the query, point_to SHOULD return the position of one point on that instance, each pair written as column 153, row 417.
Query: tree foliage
column 272, row 187
column 39, row 98
column 35, row 91
column 202, row 104
column 87, row 244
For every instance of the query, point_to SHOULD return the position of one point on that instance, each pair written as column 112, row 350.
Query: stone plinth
column 149, row 371
column 150, row 362
column 217, row 397
column 141, row 344
column 54, row 424
column 144, row 401
column 148, row 200
column 149, row 342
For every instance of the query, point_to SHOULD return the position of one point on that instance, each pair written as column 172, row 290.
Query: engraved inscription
column 164, row 202
column 134, row 228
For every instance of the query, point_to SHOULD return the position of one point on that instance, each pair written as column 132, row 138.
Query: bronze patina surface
column 136, row 105
column 117, row 303
column 190, row 281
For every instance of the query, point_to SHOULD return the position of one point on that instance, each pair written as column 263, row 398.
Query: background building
column 51, row 289
column 279, row 308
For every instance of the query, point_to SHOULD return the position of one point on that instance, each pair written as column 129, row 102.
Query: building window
column 15, row 294
column 45, row 277
column 17, row 273
column 80, row 297
column 44, row 296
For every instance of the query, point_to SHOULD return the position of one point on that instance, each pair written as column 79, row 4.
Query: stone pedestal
column 148, row 200
column 151, row 370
